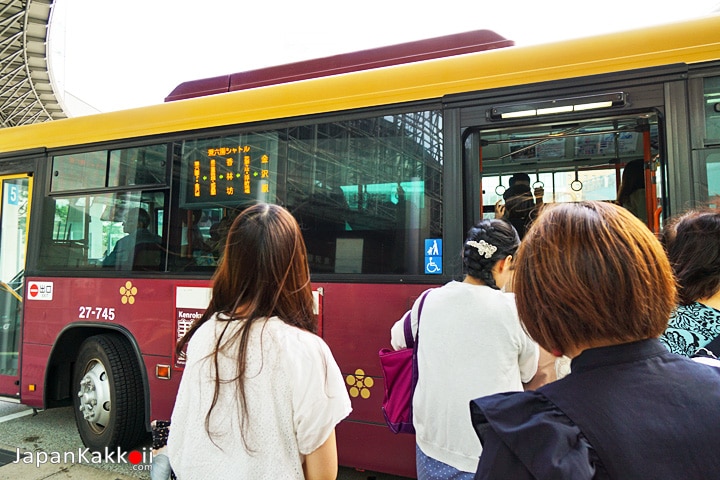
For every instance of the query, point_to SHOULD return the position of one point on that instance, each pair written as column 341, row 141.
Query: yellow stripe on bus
column 687, row 42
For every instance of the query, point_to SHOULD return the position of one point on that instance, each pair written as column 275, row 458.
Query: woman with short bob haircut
column 261, row 394
column 598, row 268
column 592, row 282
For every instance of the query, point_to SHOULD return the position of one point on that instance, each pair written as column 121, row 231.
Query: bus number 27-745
column 96, row 313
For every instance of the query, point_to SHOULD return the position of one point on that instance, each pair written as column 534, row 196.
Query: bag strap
column 410, row 341
column 415, row 373
column 407, row 329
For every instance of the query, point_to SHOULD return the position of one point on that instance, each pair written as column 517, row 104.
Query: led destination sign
column 219, row 174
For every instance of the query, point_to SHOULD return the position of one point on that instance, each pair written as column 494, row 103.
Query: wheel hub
column 94, row 396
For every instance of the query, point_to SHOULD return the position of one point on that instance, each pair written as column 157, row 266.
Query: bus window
column 572, row 162
column 138, row 166
column 79, row 171
column 87, row 229
column 220, row 176
column 712, row 167
column 712, row 110
column 91, row 170
column 140, row 246
column 366, row 192
column 84, row 227
column 712, row 140
column 197, row 241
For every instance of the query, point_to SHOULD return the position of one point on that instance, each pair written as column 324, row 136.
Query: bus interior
column 572, row 161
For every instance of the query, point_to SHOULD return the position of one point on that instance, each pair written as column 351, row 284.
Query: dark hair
column 497, row 233
column 589, row 273
column 263, row 273
column 520, row 208
column 519, row 177
column 140, row 215
column 633, row 178
column 519, row 189
column 692, row 242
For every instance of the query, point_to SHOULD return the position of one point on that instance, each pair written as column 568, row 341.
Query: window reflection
column 712, row 109
column 110, row 168
column 365, row 192
column 121, row 231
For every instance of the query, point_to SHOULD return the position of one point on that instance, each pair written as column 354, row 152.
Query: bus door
column 14, row 219
column 571, row 161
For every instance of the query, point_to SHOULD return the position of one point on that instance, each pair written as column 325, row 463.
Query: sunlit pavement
column 24, row 430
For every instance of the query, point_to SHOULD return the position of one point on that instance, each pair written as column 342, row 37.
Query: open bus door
column 14, row 218
column 574, row 160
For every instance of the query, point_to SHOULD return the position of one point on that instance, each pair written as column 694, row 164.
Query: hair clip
column 484, row 248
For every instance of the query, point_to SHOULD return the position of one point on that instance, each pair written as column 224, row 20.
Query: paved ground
column 24, row 430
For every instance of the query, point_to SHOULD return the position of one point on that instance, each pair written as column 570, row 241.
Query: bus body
column 385, row 170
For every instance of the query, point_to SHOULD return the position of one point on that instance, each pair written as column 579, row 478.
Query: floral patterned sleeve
column 690, row 328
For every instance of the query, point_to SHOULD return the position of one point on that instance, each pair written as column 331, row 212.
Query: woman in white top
column 261, row 393
column 471, row 344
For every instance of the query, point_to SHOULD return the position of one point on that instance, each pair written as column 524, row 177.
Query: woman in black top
column 593, row 283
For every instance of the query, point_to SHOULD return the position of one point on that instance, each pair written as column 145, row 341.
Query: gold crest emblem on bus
column 128, row 292
column 359, row 384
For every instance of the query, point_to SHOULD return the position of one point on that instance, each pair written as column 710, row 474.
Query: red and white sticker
column 40, row 291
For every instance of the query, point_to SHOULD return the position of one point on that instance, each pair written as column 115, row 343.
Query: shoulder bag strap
column 417, row 338
column 407, row 322
column 423, row 296
column 407, row 329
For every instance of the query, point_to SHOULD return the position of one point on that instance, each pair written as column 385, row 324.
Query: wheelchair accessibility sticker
column 433, row 256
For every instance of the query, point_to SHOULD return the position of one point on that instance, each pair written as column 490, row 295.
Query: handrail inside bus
column 10, row 289
column 658, row 212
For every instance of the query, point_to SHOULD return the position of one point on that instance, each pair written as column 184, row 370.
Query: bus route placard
column 228, row 174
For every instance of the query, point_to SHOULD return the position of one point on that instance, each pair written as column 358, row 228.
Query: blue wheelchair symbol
column 433, row 256
column 433, row 265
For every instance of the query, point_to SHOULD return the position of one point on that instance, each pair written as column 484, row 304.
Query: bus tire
column 108, row 394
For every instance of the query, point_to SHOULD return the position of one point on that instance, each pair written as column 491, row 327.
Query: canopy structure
column 26, row 92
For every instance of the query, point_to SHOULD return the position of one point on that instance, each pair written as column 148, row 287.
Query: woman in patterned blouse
column 693, row 245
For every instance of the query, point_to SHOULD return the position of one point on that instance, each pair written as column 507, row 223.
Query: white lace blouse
column 295, row 397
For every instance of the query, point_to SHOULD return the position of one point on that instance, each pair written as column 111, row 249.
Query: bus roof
column 687, row 42
column 438, row 47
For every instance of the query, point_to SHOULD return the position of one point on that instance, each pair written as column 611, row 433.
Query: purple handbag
column 400, row 372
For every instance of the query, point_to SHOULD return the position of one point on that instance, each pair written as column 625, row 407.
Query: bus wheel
column 109, row 404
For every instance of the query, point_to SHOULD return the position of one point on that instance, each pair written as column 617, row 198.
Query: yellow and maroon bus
column 385, row 164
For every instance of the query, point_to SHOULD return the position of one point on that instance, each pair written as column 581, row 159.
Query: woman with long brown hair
column 261, row 394
column 592, row 282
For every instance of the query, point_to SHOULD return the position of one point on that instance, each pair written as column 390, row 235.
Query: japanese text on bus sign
column 228, row 172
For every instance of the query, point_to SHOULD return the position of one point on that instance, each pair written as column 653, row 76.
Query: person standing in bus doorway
column 592, row 282
column 261, row 393
column 471, row 343
column 521, row 203
column 631, row 194
column 692, row 242
column 135, row 224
